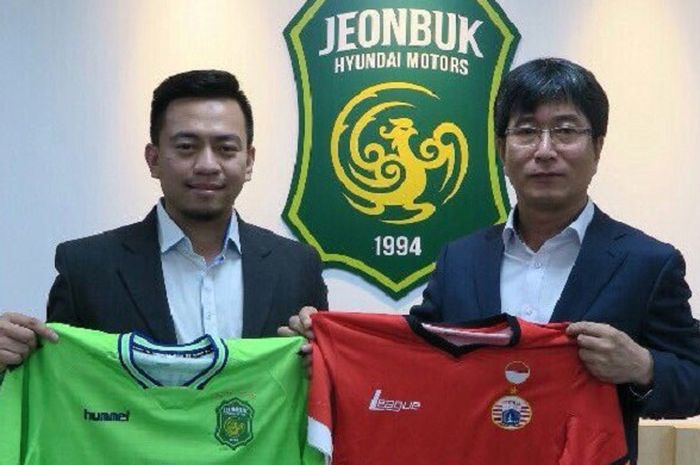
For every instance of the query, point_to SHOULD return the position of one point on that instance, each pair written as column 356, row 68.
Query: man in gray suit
column 192, row 266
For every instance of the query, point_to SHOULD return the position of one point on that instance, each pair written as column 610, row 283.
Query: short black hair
column 198, row 84
column 547, row 80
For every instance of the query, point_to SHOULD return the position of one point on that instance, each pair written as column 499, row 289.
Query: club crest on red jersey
column 511, row 412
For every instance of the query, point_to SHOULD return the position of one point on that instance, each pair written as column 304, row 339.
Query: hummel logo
column 105, row 416
column 387, row 405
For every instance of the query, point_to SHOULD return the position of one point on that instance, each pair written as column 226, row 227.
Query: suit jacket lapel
column 259, row 280
column 487, row 272
column 142, row 274
column 597, row 261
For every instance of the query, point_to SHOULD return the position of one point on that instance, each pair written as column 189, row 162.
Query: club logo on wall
column 396, row 154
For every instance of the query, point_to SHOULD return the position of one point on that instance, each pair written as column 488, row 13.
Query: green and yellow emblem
column 386, row 178
column 396, row 150
column 234, row 425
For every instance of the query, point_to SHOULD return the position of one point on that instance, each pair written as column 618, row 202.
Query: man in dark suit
column 560, row 258
column 192, row 266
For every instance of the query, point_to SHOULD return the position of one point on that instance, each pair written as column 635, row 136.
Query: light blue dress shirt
column 203, row 298
column 532, row 282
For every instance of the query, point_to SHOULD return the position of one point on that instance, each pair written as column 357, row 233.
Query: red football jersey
column 390, row 390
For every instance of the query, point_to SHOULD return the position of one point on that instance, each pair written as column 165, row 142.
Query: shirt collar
column 578, row 226
column 170, row 234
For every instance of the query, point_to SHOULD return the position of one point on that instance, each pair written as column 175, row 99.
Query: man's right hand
column 18, row 337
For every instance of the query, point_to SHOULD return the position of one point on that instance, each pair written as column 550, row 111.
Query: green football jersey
column 97, row 398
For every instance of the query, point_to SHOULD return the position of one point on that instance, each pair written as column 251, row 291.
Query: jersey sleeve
column 288, row 371
column 12, row 416
column 320, row 414
column 313, row 456
column 594, row 432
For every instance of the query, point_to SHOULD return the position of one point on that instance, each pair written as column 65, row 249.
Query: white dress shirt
column 203, row 299
column 532, row 282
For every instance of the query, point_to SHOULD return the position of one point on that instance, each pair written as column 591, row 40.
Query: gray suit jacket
column 113, row 282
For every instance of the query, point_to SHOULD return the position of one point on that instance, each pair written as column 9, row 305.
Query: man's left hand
column 611, row 355
column 300, row 325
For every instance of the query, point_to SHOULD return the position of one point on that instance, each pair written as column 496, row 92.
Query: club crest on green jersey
column 396, row 151
column 234, row 426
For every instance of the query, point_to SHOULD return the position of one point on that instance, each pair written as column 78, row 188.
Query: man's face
column 202, row 158
column 547, row 175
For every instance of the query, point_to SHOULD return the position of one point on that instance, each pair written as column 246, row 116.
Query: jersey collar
column 502, row 330
column 153, row 365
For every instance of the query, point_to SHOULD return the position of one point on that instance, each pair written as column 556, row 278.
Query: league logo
column 396, row 151
column 234, row 425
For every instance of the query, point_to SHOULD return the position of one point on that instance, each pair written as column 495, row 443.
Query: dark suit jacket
column 113, row 282
column 621, row 277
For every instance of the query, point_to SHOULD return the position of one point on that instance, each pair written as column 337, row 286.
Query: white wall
column 77, row 76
